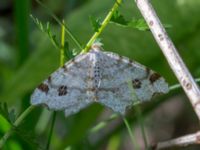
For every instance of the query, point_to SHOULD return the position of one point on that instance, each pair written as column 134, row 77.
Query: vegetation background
column 27, row 57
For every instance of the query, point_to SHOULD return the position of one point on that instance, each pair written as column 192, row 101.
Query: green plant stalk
column 103, row 25
column 62, row 50
column 177, row 86
column 51, row 130
column 102, row 124
column 130, row 133
column 16, row 123
column 61, row 24
column 141, row 122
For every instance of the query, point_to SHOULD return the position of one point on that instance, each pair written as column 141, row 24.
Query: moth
column 98, row 76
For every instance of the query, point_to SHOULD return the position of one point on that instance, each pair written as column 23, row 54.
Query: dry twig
column 181, row 141
column 171, row 54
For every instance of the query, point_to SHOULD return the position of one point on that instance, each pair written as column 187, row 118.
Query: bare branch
column 171, row 54
column 181, row 141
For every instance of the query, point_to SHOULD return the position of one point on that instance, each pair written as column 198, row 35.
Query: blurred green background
column 27, row 57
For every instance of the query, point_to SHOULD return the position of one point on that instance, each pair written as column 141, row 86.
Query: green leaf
column 139, row 24
column 118, row 19
column 8, row 115
column 95, row 22
column 46, row 30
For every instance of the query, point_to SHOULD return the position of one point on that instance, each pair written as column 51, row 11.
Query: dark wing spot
column 62, row 90
column 136, row 84
column 43, row 87
column 154, row 77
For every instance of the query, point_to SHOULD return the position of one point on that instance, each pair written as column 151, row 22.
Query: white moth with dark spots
column 102, row 77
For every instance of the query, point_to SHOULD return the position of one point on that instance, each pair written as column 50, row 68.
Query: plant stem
column 51, row 130
column 103, row 25
column 62, row 50
column 141, row 123
column 182, row 141
column 16, row 123
column 130, row 133
column 103, row 123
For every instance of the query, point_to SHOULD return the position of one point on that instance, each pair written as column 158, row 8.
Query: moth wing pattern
column 66, row 88
column 97, row 76
column 118, row 73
